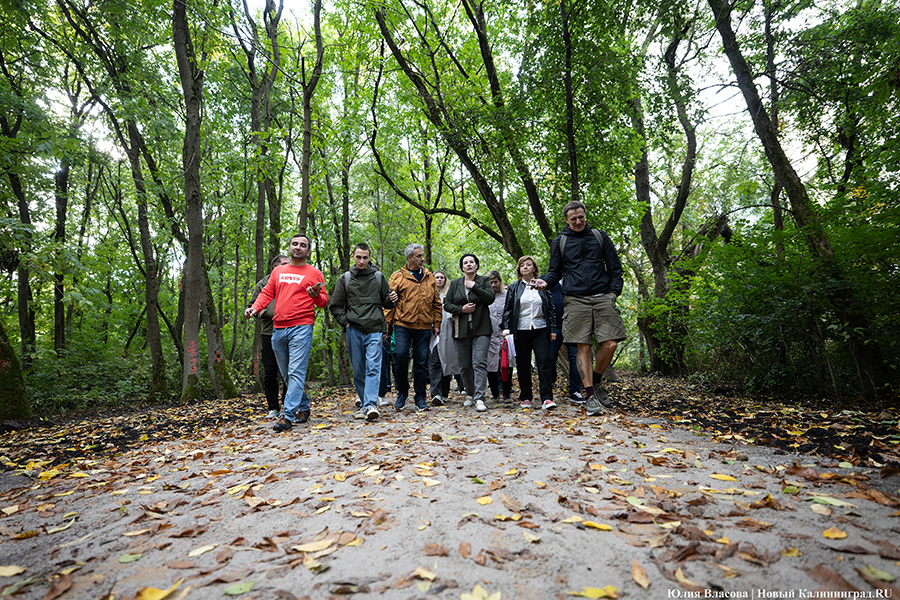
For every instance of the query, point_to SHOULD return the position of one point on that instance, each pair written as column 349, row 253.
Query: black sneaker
column 437, row 401
column 576, row 398
column 421, row 405
column 593, row 407
column 302, row 416
column 603, row 398
column 282, row 424
column 400, row 403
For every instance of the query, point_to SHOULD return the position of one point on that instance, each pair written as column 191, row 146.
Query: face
column 469, row 265
column 497, row 285
column 527, row 269
column 415, row 261
column 361, row 259
column 300, row 248
column 440, row 279
column 282, row 261
column 576, row 219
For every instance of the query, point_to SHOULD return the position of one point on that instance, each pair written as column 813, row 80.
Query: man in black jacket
column 586, row 261
column 356, row 303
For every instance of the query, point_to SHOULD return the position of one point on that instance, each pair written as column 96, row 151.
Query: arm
column 386, row 301
column 613, row 266
column 320, row 299
column 551, row 311
column 450, row 304
column 506, row 324
column 266, row 295
column 338, row 304
column 554, row 269
column 394, row 285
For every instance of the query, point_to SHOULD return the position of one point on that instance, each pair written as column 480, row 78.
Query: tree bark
column 309, row 87
column 191, row 77
column 13, row 396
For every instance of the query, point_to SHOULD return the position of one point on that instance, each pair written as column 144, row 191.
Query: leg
column 545, row 367
column 480, row 346
column 402, row 343
column 357, row 350
column 299, row 342
column 574, row 377
column 270, row 372
column 464, row 353
column 583, row 361
column 523, row 364
column 386, row 366
column 493, row 378
column 372, row 348
column 421, row 347
column 435, row 373
column 605, row 356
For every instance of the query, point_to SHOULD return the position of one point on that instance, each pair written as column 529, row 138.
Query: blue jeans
column 417, row 340
column 572, row 351
column 292, row 346
column 365, row 357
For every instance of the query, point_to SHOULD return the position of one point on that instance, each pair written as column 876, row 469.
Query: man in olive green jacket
column 357, row 301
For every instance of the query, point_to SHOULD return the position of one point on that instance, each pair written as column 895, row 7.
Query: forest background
column 154, row 157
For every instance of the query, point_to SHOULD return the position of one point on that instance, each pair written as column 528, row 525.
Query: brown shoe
column 302, row 416
column 282, row 424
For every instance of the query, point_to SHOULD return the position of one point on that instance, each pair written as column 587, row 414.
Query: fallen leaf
column 484, row 500
column 61, row 527
column 314, row 546
column 59, row 588
column 423, row 573
column 202, row 550
column 531, row 538
column 876, row 573
column 430, row 482
column 479, row 593
column 722, row 477
column 833, row 533
column 127, row 558
column 465, row 549
column 600, row 526
column 592, row 592
column 239, row 588
column 151, row 593
column 11, row 570
column 639, row 574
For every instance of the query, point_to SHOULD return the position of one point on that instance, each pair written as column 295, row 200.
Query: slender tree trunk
column 61, row 181
column 13, row 396
column 218, row 365
column 309, row 87
column 192, row 87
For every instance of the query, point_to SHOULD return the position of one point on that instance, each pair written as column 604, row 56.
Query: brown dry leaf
column 685, row 582
column 830, row 580
column 497, row 485
column 465, row 549
column 59, row 588
column 435, row 550
column 510, row 504
column 639, row 574
column 182, row 564
column 224, row 555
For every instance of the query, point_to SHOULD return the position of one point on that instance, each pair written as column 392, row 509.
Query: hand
column 615, row 297
column 393, row 297
column 552, row 337
column 539, row 284
column 249, row 312
column 314, row 290
column 436, row 331
column 505, row 332
column 469, row 284
column 468, row 308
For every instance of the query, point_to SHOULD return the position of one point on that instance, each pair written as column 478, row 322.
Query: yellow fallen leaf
column 321, row 426
column 682, row 578
column 479, row 593
column 340, row 476
column 202, row 550
column 540, row 484
column 531, row 538
column 572, row 519
column 671, row 525
column 430, row 482
column 511, row 472
column 600, row 526
column 48, row 475
column 639, row 574
column 484, row 500
column 60, row 495
column 591, row 592
column 357, row 542
column 79, row 474
column 722, row 477
column 11, row 570
column 423, row 573
column 833, row 533
column 11, row 510
column 151, row 593
column 655, row 426
column 820, row 509
column 790, row 552
column 314, row 546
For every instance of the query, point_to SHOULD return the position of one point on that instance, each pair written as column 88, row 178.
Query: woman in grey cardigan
column 467, row 300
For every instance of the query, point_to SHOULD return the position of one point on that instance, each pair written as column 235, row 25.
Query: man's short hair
column 411, row 249
column 574, row 204
column 296, row 235
column 495, row 274
column 361, row 246
column 278, row 259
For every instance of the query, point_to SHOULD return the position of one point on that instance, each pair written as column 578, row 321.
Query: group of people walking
column 449, row 327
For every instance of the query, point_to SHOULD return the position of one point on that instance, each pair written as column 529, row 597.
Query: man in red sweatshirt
column 297, row 288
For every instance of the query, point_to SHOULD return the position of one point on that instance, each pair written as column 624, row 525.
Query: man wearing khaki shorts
column 588, row 265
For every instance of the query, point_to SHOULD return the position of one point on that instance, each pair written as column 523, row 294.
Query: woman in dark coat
column 467, row 300
column 529, row 315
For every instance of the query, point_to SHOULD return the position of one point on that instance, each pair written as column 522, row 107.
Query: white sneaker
column 548, row 404
column 360, row 414
column 371, row 413
column 272, row 414
column 480, row 406
column 358, row 402
column 383, row 401
column 437, row 401
column 469, row 402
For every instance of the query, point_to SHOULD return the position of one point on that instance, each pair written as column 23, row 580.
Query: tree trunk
column 192, row 86
column 309, row 87
column 61, row 181
column 13, row 396
column 223, row 384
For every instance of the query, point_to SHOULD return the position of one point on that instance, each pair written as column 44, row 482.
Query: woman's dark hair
column 477, row 262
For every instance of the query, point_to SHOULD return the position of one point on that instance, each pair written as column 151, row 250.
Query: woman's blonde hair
column 521, row 261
